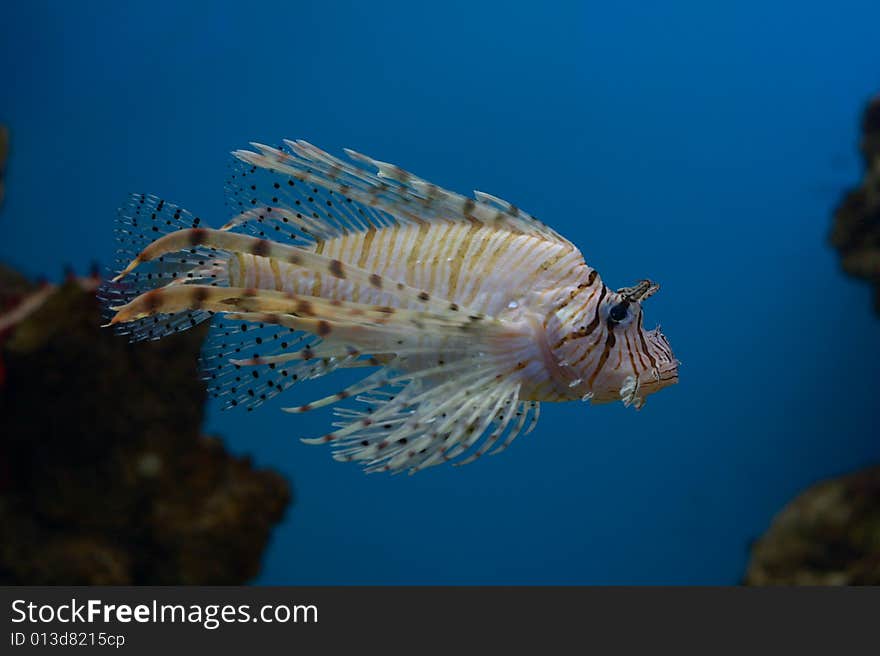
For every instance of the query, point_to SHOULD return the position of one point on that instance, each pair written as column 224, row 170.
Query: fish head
column 609, row 356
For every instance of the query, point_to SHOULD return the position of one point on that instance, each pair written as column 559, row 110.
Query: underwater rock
column 105, row 477
column 856, row 230
column 828, row 535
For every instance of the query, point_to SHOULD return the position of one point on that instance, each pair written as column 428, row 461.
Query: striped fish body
column 478, row 267
column 471, row 311
column 515, row 277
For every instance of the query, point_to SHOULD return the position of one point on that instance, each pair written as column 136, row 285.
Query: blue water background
column 703, row 145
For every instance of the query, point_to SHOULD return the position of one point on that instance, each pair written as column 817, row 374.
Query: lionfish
column 470, row 311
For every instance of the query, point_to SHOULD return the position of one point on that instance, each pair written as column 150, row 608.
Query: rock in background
column 856, row 230
column 105, row 476
column 830, row 534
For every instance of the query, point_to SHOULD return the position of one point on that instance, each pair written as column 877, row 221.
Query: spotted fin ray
column 412, row 421
column 140, row 221
column 388, row 195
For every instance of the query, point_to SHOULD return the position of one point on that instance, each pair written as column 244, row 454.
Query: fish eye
column 619, row 312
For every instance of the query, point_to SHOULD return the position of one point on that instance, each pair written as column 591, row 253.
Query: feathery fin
column 139, row 222
column 393, row 194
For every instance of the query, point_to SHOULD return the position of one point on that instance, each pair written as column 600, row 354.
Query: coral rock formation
column 829, row 535
column 105, row 477
column 856, row 230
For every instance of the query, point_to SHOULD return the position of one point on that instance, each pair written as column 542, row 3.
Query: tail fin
column 140, row 221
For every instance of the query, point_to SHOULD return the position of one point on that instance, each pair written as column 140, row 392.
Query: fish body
column 515, row 278
column 470, row 311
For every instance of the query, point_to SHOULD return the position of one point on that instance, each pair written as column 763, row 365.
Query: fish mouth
column 652, row 384
column 665, row 372
column 649, row 383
